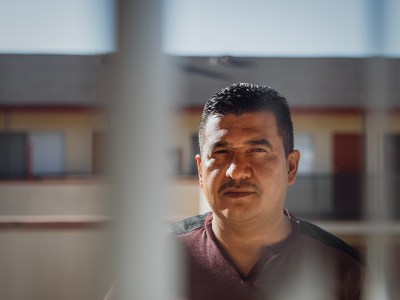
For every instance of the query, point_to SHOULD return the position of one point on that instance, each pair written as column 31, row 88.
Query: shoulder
column 321, row 236
column 188, row 225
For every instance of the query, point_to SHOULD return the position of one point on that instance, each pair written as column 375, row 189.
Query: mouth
column 238, row 193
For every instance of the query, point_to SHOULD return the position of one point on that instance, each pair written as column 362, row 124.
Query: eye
column 221, row 151
column 258, row 150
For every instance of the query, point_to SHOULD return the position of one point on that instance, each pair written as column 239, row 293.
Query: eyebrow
column 257, row 142
column 260, row 142
column 218, row 144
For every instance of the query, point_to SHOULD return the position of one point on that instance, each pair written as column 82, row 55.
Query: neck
column 245, row 242
column 271, row 231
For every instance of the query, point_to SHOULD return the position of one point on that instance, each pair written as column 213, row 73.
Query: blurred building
column 53, row 141
column 53, row 122
column 54, row 202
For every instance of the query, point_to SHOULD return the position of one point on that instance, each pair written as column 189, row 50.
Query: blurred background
column 87, row 85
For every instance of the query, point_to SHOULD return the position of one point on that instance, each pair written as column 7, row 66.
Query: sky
column 57, row 26
column 283, row 27
column 338, row 28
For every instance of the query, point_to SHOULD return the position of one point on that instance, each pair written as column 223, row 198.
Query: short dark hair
column 247, row 98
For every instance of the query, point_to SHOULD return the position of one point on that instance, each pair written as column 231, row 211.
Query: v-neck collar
column 269, row 251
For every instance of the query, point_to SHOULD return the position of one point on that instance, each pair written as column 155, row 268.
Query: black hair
column 243, row 98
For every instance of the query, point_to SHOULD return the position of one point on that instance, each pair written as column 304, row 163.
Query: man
column 249, row 246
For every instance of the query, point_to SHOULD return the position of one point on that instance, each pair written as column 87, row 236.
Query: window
column 305, row 143
column 47, row 153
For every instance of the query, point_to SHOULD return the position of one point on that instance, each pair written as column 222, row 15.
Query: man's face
column 243, row 169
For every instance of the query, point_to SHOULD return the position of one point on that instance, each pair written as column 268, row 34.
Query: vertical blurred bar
column 377, row 205
column 139, row 139
column 377, row 208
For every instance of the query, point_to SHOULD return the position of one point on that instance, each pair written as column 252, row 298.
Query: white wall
column 62, row 264
column 54, row 197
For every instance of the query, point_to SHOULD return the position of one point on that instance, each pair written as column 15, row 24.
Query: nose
column 239, row 168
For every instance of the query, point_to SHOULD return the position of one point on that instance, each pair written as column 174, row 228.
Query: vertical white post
column 138, row 132
column 377, row 206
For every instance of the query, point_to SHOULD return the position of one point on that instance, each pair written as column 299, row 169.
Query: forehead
column 247, row 125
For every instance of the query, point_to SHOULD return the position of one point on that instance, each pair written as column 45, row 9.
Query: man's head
column 247, row 159
column 246, row 98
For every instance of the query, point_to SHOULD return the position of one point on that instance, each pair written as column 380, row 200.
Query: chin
column 238, row 214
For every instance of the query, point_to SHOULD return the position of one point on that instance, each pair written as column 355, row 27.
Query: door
column 348, row 166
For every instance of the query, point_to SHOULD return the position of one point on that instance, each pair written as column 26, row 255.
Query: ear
column 198, row 160
column 292, row 162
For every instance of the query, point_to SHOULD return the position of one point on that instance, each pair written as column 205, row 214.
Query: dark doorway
column 348, row 165
column 14, row 155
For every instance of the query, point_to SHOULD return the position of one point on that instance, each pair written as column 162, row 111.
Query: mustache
column 239, row 184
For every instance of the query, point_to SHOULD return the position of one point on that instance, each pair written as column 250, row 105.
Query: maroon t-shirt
column 309, row 264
